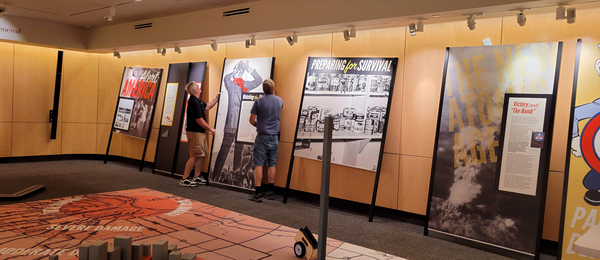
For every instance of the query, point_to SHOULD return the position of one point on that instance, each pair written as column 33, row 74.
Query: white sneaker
column 187, row 183
column 199, row 180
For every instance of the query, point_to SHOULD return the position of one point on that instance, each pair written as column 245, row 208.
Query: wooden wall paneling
column 424, row 65
column 79, row 138
column 387, row 194
column 380, row 43
column 238, row 50
column 5, row 139
column 80, row 88
column 160, row 61
column 30, row 139
column 34, row 78
column 413, row 188
column 151, row 150
column 283, row 163
column 306, row 175
column 552, row 210
column 110, row 74
column 138, row 58
column 102, row 136
column 132, row 147
column 289, row 74
column 6, row 81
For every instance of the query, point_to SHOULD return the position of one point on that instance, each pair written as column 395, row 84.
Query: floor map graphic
column 34, row 230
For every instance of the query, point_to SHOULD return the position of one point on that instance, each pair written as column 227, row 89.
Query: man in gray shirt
column 264, row 115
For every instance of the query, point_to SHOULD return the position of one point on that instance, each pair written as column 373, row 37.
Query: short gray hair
column 190, row 87
column 268, row 86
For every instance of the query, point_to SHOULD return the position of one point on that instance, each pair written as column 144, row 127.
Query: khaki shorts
column 198, row 145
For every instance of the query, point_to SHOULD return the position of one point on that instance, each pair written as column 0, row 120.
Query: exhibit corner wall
column 91, row 84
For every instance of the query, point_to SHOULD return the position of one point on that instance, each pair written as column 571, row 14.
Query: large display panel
column 231, row 154
column 467, row 202
column 137, row 99
column 356, row 93
column 581, row 195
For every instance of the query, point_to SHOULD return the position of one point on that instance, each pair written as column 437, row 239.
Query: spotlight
column 420, row 26
column 117, row 54
column 352, row 32
column 412, row 28
column 471, row 22
column 214, row 45
column 2, row 10
column 292, row 39
column 177, row 49
column 571, row 14
column 560, row 12
column 521, row 19
column 252, row 41
column 158, row 49
column 163, row 52
column 111, row 13
column 346, row 35
column 247, row 43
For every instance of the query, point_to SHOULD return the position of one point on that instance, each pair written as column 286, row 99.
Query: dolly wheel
column 299, row 249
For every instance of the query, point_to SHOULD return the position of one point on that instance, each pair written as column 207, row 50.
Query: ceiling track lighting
column 117, row 54
column 560, row 12
column 420, row 26
column 163, row 52
column 2, row 10
column 471, row 23
column 158, row 49
column 412, row 28
column 177, row 49
column 571, row 14
column 250, row 42
column 292, row 39
column 349, row 33
column 111, row 12
column 214, row 45
column 521, row 18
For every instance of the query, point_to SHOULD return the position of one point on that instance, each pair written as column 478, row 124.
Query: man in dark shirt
column 264, row 115
column 195, row 131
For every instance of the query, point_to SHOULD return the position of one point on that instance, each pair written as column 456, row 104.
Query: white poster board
column 169, row 107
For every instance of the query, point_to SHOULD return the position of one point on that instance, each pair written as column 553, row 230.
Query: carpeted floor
column 78, row 177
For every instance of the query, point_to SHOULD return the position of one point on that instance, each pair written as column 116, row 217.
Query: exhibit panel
column 356, row 93
column 471, row 198
column 231, row 151
column 581, row 193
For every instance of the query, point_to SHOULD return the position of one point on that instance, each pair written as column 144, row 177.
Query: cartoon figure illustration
column 591, row 181
column 242, row 79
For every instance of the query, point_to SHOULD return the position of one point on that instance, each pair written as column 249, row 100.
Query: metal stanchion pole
column 323, row 213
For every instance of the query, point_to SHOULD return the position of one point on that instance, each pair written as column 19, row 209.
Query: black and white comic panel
column 356, row 93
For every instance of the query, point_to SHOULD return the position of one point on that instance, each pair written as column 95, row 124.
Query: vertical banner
column 466, row 202
column 579, row 227
column 137, row 99
column 356, row 93
column 231, row 152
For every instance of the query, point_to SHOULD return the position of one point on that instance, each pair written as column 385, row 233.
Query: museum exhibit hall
column 270, row 129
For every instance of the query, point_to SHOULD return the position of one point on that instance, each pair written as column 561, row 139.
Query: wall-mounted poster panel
column 467, row 203
column 231, row 155
column 581, row 193
column 137, row 99
column 356, row 93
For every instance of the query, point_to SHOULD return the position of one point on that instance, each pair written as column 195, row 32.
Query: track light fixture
column 214, row 45
column 521, row 18
column 247, row 43
column 571, row 14
column 158, row 49
column 420, row 26
column 111, row 12
column 117, row 54
column 250, row 42
column 177, row 49
column 292, row 39
column 471, row 22
column 163, row 52
column 560, row 12
column 349, row 33
column 2, row 10
column 412, row 28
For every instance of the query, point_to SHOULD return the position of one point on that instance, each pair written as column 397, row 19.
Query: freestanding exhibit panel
column 231, row 152
column 581, row 193
column 135, row 106
column 170, row 149
column 357, row 93
column 475, row 198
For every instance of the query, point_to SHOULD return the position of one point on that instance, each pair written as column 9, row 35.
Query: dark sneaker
column 187, row 183
column 255, row 198
column 199, row 180
column 270, row 195
column 592, row 197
